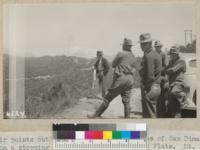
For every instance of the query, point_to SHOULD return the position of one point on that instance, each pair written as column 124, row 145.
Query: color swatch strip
column 101, row 135
column 98, row 132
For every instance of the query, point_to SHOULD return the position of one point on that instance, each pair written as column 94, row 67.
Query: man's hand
column 169, row 71
column 133, row 70
column 100, row 75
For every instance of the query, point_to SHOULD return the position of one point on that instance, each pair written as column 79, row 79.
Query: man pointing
column 124, row 65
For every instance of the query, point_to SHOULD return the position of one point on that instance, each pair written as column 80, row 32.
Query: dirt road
column 115, row 110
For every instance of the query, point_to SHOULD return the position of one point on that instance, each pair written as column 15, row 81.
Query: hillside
column 54, row 82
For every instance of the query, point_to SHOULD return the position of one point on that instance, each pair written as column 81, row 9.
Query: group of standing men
column 158, row 80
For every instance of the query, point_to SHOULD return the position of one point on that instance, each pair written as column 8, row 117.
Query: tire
column 194, row 99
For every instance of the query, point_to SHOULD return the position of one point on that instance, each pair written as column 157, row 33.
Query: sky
column 77, row 29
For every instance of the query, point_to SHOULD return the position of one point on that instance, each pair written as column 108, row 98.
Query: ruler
column 100, row 144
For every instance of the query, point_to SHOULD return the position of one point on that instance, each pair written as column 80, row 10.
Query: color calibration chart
column 100, row 136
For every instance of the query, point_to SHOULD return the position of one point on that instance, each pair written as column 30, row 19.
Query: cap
column 174, row 50
column 127, row 42
column 157, row 44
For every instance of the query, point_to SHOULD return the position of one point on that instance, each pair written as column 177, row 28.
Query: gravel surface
column 115, row 110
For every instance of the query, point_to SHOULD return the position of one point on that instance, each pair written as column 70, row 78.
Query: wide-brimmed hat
column 174, row 50
column 145, row 38
column 99, row 52
column 127, row 42
column 157, row 44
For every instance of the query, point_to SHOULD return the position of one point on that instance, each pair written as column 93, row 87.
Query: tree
column 189, row 48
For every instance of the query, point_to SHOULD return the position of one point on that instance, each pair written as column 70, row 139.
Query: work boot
column 127, row 110
column 99, row 111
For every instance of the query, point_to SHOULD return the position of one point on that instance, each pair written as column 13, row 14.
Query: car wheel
column 195, row 97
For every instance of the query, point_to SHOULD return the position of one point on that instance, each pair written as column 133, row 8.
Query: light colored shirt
column 124, row 63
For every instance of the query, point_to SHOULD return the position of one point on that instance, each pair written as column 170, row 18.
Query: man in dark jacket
column 124, row 66
column 175, row 71
column 158, row 48
column 161, row 107
column 150, row 74
column 102, row 67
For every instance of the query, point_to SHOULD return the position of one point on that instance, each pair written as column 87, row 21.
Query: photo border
column 46, row 124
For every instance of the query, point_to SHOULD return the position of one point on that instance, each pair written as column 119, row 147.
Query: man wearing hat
column 150, row 74
column 158, row 48
column 161, row 108
column 102, row 67
column 175, row 71
column 124, row 66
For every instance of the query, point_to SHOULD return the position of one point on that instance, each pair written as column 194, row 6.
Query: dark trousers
column 161, row 104
column 102, row 87
column 150, row 95
column 176, row 95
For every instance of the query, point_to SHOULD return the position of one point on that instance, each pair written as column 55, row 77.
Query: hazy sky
column 81, row 29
